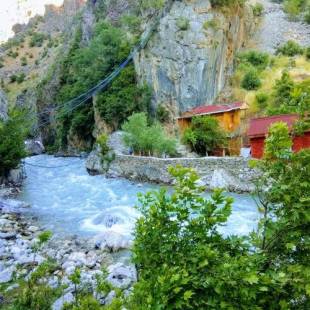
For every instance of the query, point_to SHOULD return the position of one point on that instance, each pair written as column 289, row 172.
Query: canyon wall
column 188, row 65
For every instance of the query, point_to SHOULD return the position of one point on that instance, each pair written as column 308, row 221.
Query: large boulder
column 121, row 276
column 112, row 241
column 34, row 147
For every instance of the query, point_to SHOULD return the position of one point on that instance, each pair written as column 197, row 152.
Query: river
column 68, row 201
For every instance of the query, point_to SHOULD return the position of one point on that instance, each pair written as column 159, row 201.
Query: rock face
column 276, row 29
column 3, row 106
column 188, row 65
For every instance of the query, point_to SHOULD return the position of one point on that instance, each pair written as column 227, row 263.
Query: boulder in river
column 34, row 147
column 112, row 241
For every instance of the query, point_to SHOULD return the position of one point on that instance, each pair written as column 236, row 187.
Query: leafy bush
column 225, row 3
column 307, row 52
column 290, row 48
column 257, row 59
column 262, row 100
column 162, row 114
column 13, row 54
column 123, row 98
column 289, row 97
column 267, row 270
column 204, row 135
column 102, row 141
column 293, row 7
column 182, row 23
column 147, row 139
column 278, row 142
column 258, row 9
column 37, row 39
column 213, row 23
column 23, row 61
column 307, row 15
column 251, row 80
column 12, row 135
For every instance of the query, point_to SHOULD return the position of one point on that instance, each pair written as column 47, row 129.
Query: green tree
column 251, row 80
column 12, row 133
column 147, row 139
column 290, row 48
column 204, row 135
column 185, row 263
column 278, row 143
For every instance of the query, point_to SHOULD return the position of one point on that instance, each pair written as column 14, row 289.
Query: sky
column 19, row 11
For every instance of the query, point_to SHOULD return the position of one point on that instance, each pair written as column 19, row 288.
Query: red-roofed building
column 258, row 131
column 230, row 117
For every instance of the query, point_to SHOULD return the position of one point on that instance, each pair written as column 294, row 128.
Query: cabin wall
column 299, row 143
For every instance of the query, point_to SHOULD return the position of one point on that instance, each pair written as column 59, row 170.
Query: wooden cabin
column 231, row 118
column 258, row 131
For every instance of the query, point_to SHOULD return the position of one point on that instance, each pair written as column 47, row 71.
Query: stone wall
column 230, row 173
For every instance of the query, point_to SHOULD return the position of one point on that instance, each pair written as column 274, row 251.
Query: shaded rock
column 12, row 205
column 108, row 300
column 112, row 241
column 7, row 275
column 59, row 303
column 3, row 106
column 34, row 147
column 116, row 143
column 94, row 163
column 121, row 276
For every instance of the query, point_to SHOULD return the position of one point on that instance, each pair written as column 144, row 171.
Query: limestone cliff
column 188, row 65
column 3, row 106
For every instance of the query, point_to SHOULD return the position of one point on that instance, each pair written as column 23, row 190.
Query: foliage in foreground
column 204, row 135
column 267, row 270
column 145, row 139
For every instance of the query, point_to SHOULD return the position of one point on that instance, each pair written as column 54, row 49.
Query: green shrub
column 251, row 80
column 307, row 15
column 182, row 23
column 20, row 78
column 37, row 39
column 24, row 61
column 213, row 23
column 204, row 135
column 258, row 9
column 102, row 141
column 147, row 139
column 262, row 100
column 290, row 48
column 307, row 53
column 162, row 114
column 13, row 54
column 12, row 149
column 293, row 8
column 259, row 60
column 226, row 3
column 196, row 267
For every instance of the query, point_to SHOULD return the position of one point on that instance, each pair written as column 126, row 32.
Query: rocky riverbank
column 18, row 258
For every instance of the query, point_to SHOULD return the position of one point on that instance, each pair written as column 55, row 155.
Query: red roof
column 259, row 126
column 213, row 109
